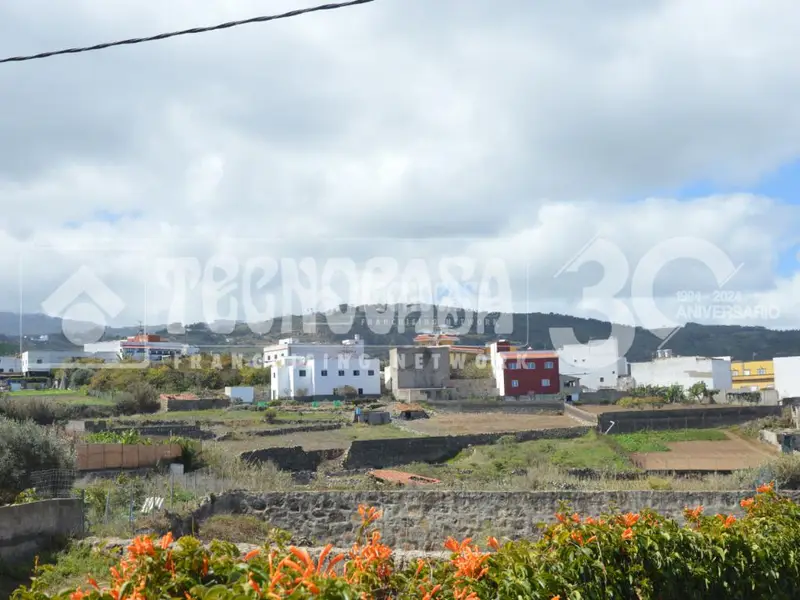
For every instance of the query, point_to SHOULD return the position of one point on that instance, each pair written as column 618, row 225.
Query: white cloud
column 507, row 131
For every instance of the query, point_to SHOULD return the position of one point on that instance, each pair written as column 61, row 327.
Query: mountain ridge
column 739, row 342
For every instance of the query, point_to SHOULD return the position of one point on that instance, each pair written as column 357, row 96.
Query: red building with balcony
column 526, row 372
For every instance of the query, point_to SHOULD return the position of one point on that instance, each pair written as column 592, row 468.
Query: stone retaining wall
column 685, row 418
column 293, row 459
column 422, row 520
column 500, row 406
column 378, row 454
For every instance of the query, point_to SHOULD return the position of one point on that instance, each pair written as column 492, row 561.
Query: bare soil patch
column 729, row 455
column 467, row 423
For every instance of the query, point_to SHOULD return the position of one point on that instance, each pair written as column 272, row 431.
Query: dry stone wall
column 422, row 520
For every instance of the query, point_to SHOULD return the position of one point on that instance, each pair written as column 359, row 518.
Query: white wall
column 10, row 364
column 244, row 393
column 597, row 364
column 787, row 376
column 323, row 377
column 684, row 371
column 45, row 360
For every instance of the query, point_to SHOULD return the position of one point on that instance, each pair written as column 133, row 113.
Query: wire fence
column 119, row 503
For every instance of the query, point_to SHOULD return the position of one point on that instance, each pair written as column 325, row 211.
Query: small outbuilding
column 410, row 412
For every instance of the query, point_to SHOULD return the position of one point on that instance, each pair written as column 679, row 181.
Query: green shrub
column 138, row 398
column 271, row 415
column 25, row 448
column 42, row 411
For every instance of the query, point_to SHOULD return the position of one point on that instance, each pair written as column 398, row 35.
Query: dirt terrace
column 730, row 455
column 467, row 423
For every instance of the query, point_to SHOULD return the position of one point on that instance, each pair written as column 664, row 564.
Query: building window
column 602, row 379
column 762, row 371
column 38, row 361
column 302, row 373
column 356, row 373
column 747, row 371
column 514, row 383
column 2, row 370
column 548, row 365
column 545, row 382
column 341, row 373
column 370, row 372
column 324, row 373
column 360, row 391
column 530, row 364
column 735, row 373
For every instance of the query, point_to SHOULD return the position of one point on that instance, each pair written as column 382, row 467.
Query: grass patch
column 656, row 441
column 249, row 416
column 63, row 397
column 68, row 569
column 498, row 461
column 242, row 529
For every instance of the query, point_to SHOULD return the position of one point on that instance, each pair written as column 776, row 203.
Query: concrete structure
column 25, row 529
column 303, row 370
column 683, row 370
column 787, row 376
column 597, row 364
column 570, row 387
column 43, row 362
column 524, row 372
column 374, row 417
column 184, row 402
column 10, row 365
column 245, row 394
column 412, row 368
column 753, row 375
column 139, row 347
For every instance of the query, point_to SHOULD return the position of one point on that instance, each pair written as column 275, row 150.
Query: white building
column 10, row 364
column 42, row 362
column 244, row 393
column 139, row 347
column 597, row 363
column 787, row 376
column 321, row 370
column 685, row 371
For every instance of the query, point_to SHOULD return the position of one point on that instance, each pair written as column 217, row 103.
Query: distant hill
column 741, row 343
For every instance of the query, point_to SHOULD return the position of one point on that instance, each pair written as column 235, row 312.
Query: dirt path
column 766, row 450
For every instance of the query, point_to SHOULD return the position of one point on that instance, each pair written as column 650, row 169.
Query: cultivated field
column 466, row 423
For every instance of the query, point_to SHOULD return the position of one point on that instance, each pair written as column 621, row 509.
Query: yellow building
column 752, row 375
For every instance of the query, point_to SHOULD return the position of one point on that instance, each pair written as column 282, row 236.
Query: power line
column 164, row 36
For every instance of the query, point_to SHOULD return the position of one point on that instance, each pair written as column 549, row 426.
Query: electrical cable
column 164, row 36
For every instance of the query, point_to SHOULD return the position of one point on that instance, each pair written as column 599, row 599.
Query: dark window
column 302, row 373
column 324, row 373
column 360, row 391
column 602, row 379
column 341, row 373
column 356, row 373
column 530, row 364
column 370, row 372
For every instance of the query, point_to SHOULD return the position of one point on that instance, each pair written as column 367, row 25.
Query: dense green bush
column 25, row 448
column 138, row 398
column 40, row 410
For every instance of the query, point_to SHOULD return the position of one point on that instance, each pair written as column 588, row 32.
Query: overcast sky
column 526, row 136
